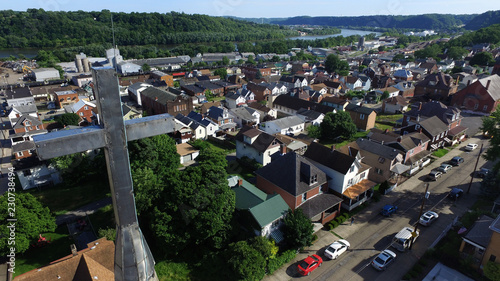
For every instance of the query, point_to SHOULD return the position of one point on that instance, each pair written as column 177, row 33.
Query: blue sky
column 261, row 8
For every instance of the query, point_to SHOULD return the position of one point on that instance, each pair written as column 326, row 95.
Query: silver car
column 428, row 217
column 336, row 249
column 444, row 168
column 383, row 260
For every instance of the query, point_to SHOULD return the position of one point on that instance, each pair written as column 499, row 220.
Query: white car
column 383, row 260
column 428, row 217
column 470, row 146
column 336, row 249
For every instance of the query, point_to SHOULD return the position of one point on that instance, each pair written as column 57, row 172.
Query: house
column 228, row 87
column 363, row 117
column 433, row 128
column 81, row 80
column 290, row 105
column 450, row 115
column 482, row 96
column 64, row 98
column 25, row 127
column 18, row 111
column 292, row 144
column 134, row 91
column 234, row 100
column 205, row 106
column 198, row 94
column 310, row 117
column 19, row 96
column 82, row 108
column 162, row 76
column 24, row 149
column 430, row 67
column 353, row 83
column 261, row 92
column 245, row 116
column 481, row 244
column 333, row 87
column 247, row 94
column 266, row 113
column 186, row 152
column 251, row 71
column 290, row 125
column 257, row 145
column 261, row 212
column 413, row 147
column 347, row 176
column 208, row 86
column 96, row 262
column 380, row 157
column 304, row 187
column 130, row 113
column 35, row 173
column 222, row 118
column 182, row 132
column 403, row 75
column 437, row 86
column 201, row 127
column 156, row 101
column 275, row 88
column 339, row 104
column 395, row 105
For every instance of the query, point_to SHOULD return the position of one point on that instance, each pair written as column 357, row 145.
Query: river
column 343, row 32
column 29, row 53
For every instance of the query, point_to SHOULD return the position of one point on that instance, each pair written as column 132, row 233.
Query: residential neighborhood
column 222, row 149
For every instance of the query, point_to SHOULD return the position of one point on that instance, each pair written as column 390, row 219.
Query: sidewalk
column 345, row 230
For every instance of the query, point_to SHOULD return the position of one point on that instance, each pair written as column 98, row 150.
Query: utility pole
column 426, row 195
column 475, row 167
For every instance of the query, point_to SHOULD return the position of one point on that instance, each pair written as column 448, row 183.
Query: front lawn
column 234, row 168
column 356, row 136
column 171, row 271
column 440, row 152
column 63, row 198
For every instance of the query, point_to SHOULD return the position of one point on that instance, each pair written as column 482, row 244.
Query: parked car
column 482, row 173
column 309, row 264
column 428, row 217
column 457, row 160
column 388, row 210
column 434, row 175
column 336, row 249
column 51, row 112
column 455, row 193
column 444, row 168
column 470, row 147
column 383, row 260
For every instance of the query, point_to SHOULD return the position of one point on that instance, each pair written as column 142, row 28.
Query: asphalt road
column 377, row 232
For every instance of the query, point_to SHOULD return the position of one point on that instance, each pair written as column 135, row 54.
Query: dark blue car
column 388, row 210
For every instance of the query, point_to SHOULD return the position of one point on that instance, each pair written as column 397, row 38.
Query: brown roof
column 207, row 105
column 96, row 262
column 185, row 149
column 355, row 190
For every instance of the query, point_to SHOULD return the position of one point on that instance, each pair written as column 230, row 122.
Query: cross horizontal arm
column 67, row 142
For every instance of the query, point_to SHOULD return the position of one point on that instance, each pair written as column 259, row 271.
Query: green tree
column 298, row 229
column 146, row 68
column 246, row 262
column 482, row 58
column 32, row 219
column 222, row 72
column 492, row 126
column 225, row 60
column 457, row 53
column 337, row 125
column 250, row 60
column 385, row 95
column 314, row 132
column 67, row 119
column 492, row 271
column 381, row 48
column 258, row 75
column 177, row 84
column 334, row 64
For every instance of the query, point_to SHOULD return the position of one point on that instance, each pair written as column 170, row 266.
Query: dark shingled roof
column 335, row 160
column 296, row 104
column 319, row 204
column 261, row 143
column 433, row 125
column 359, row 109
column 377, row 148
column 163, row 96
column 434, row 108
column 289, row 173
column 409, row 141
column 480, row 233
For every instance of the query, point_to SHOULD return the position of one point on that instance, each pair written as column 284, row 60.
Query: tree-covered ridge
column 426, row 21
column 484, row 20
column 38, row 28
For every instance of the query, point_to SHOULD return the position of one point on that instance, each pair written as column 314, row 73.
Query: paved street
column 371, row 233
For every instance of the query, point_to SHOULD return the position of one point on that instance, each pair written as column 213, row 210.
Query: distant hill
column 484, row 20
column 426, row 21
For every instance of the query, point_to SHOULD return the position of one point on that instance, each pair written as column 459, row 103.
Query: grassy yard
column 234, row 168
column 171, row 271
column 38, row 257
column 103, row 218
column 383, row 127
column 329, row 143
column 63, row 198
column 389, row 117
column 440, row 152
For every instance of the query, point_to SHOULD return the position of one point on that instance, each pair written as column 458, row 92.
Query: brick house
column 363, row 117
column 304, row 186
column 261, row 92
column 64, row 98
column 433, row 128
column 437, row 86
column 481, row 96
column 251, row 71
column 162, row 76
column 156, row 101
column 84, row 109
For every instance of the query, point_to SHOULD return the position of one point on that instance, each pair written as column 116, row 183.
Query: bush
column 280, row 260
column 109, row 233
column 334, row 224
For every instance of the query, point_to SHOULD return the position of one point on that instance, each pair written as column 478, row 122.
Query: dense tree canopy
column 32, row 219
column 68, row 119
column 334, row 64
column 337, row 125
column 482, row 58
column 298, row 229
column 491, row 125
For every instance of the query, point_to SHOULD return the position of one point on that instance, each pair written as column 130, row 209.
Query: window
column 351, row 169
column 314, row 179
column 20, row 154
column 86, row 107
column 68, row 98
column 81, row 113
column 362, row 176
column 362, row 116
column 379, row 171
column 492, row 258
column 485, row 108
column 350, row 182
column 381, row 160
column 304, row 197
column 476, row 106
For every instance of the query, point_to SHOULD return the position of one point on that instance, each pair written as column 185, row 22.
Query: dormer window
column 314, row 179
column 351, row 169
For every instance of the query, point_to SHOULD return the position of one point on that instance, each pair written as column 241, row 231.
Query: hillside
column 426, row 21
column 484, row 20
column 39, row 28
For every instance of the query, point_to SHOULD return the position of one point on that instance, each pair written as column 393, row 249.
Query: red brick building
column 481, row 96
column 156, row 101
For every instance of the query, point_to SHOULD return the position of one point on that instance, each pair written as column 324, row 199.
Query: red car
column 309, row 264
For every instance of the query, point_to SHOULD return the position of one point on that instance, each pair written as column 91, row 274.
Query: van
column 404, row 239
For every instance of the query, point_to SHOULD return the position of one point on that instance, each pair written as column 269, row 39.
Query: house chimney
column 420, row 106
column 386, row 131
column 283, row 149
column 156, row 98
column 468, row 83
column 333, row 147
column 488, row 84
column 240, row 182
column 74, row 252
column 399, row 139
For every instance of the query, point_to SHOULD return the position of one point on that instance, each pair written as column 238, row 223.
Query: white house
column 245, row 115
column 290, row 125
column 186, row 152
column 234, row 100
column 257, row 145
column 38, row 176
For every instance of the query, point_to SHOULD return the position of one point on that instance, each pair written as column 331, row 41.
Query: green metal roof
column 269, row 210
